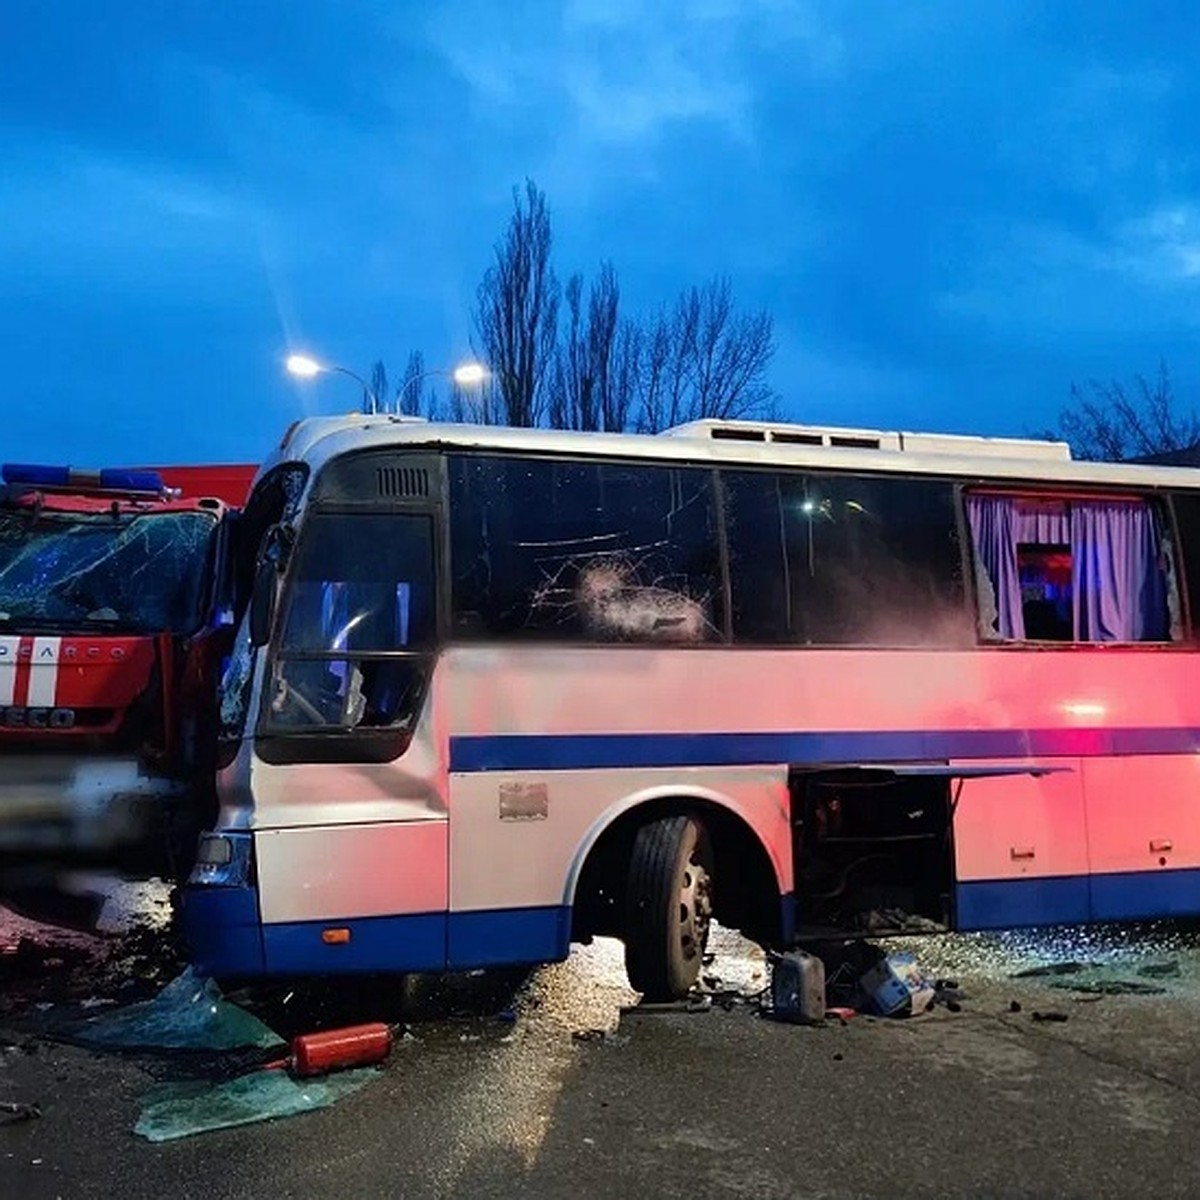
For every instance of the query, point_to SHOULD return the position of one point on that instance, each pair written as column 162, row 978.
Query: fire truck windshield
column 139, row 573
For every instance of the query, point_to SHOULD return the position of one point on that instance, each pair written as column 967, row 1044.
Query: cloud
column 78, row 213
column 1162, row 247
column 626, row 73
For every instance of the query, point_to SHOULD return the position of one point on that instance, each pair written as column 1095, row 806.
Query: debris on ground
column 222, row 1064
column 1055, row 1017
column 896, row 920
column 1109, row 987
column 19, row 1111
column 897, row 987
column 1167, row 970
column 798, row 988
column 337, row 1049
column 835, row 981
column 177, row 1110
column 188, row 1014
column 1106, row 978
column 1052, row 969
column 43, row 967
column 697, row 1002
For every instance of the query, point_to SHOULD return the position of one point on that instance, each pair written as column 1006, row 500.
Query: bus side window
column 844, row 560
column 1187, row 567
column 1072, row 569
column 583, row 551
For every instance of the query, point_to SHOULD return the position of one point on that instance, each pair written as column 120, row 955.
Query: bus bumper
column 222, row 930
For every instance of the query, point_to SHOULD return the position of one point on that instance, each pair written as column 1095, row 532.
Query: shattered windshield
column 141, row 573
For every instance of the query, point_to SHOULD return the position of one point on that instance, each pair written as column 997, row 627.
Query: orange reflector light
column 335, row 937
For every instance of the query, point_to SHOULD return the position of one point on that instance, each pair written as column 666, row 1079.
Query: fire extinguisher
column 337, row 1050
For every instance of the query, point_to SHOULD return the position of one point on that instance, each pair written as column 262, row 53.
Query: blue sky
column 952, row 210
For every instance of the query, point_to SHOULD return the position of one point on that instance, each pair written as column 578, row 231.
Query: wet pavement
column 546, row 1084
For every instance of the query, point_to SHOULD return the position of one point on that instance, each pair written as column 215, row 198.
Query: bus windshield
column 360, row 603
column 141, row 573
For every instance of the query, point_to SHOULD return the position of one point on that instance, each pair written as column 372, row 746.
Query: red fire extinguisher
column 337, row 1049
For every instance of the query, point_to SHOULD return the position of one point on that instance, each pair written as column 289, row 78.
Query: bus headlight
column 222, row 860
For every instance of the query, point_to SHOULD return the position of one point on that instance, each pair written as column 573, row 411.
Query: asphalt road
column 573, row 1099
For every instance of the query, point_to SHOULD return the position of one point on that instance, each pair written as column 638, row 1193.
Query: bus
column 499, row 690
column 115, row 613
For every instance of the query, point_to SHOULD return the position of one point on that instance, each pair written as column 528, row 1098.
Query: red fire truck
column 116, row 600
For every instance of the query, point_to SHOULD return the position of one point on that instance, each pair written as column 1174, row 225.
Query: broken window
column 1185, row 571
column 601, row 552
column 1071, row 569
column 844, row 560
column 144, row 573
column 359, row 619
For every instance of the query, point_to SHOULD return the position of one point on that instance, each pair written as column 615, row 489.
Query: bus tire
column 668, row 907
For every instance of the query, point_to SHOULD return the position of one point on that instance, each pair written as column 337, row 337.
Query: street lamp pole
column 304, row 367
column 467, row 374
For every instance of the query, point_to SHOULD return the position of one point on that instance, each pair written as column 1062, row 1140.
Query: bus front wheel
column 668, row 907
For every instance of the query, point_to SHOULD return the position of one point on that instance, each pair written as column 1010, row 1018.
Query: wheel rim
column 695, row 908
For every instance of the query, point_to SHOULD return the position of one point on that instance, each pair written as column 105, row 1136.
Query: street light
column 304, row 367
column 467, row 374
column 470, row 374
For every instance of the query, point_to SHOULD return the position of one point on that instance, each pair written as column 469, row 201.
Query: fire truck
column 116, row 603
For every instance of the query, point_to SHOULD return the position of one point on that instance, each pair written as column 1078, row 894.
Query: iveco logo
column 37, row 718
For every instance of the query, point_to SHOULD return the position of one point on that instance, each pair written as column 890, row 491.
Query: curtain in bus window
column 994, row 532
column 1078, row 570
column 1120, row 592
column 591, row 551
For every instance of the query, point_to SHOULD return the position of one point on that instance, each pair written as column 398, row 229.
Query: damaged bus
column 498, row 690
column 115, row 608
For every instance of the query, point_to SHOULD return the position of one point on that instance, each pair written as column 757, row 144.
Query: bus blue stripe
column 226, row 938
column 1078, row 899
column 1012, row 903
column 583, row 751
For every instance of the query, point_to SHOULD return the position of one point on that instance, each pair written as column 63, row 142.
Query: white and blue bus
column 499, row 690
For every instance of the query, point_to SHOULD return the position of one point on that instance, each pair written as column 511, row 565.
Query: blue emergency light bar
column 110, row 479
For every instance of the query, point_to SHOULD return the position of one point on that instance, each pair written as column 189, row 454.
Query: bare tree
column 604, row 302
column 624, row 369
column 582, row 392
column 702, row 358
column 657, row 377
column 472, row 406
column 517, row 310
column 1113, row 422
column 569, row 383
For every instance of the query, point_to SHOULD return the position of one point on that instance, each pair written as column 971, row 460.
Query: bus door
column 351, row 822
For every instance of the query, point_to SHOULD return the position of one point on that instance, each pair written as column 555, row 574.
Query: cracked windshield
column 599, row 599
column 137, row 574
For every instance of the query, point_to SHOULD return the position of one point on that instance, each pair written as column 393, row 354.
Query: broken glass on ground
column 177, row 1110
column 1103, row 978
column 215, row 1047
column 188, row 1014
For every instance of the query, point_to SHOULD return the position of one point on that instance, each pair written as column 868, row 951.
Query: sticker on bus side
column 524, row 802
